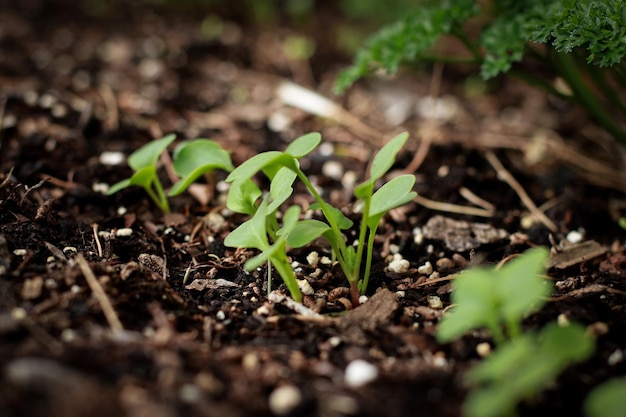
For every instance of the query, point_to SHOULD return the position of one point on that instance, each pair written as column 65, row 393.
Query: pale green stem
column 362, row 236
column 368, row 259
column 286, row 273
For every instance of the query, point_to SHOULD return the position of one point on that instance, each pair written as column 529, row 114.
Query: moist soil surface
column 162, row 320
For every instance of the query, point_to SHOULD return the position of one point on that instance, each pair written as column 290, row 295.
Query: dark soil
column 199, row 336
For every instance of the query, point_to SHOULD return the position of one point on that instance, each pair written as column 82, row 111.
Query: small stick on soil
column 101, row 296
column 469, row 195
column 112, row 120
column 95, row 235
column 507, row 177
column 452, row 208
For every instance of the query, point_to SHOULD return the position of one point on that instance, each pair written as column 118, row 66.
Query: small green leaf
column 475, row 304
column 607, row 400
column 148, row 155
column 272, row 159
column 337, row 216
column 395, row 193
column 267, row 255
column 119, row 186
column 521, row 289
column 251, row 234
column 383, row 161
column 242, row 196
column 303, row 145
column 144, row 177
column 566, row 344
column 306, row 231
column 281, row 187
column 290, row 219
column 194, row 158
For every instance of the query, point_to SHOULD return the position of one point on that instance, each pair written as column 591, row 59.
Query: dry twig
column 507, row 177
column 101, row 296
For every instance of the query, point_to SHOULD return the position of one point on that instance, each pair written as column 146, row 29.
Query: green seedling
column 607, row 400
column 524, row 367
column 583, row 45
column 282, row 169
column 191, row 159
column 144, row 162
column 497, row 299
column 195, row 158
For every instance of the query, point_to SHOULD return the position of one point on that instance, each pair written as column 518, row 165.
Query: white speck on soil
column 425, row 269
column 360, row 373
column 313, row 258
column 111, row 158
column 363, row 299
column 483, row 349
column 284, row 399
column 398, row 264
column 305, row 287
column 333, row 169
column 434, row 302
column 615, row 357
column 575, row 236
column 124, row 232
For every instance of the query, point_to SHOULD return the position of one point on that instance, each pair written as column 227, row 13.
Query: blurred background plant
column 570, row 49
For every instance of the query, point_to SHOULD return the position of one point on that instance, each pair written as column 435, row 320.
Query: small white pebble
column 112, row 158
column 189, row 393
column 315, row 274
column 121, row 210
column 333, row 169
column 394, row 249
column 425, row 269
column 418, row 236
column 483, row 349
column 615, row 357
column 575, row 236
column 68, row 335
column 400, row 294
column 75, row 289
column 360, row 373
column 527, row 222
column 104, row 234
column 434, row 302
column 18, row 313
column 363, row 299
column 220, row 315
column 313, row 258
column 399, row 266
column 305, row 287
column 124, row 232
column 100, row 187
column 349, row 179
column 69, row 249
column 434, row 275
column 263, row 311
column 279, row 122
column 326, row 149
column 325, row 260
column 20, row 252
column 443, row 171
column 562, row 320
column 284, row 399
column 334, row 341
column 50, row 259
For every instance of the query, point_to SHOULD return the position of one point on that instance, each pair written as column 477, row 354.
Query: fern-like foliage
column 591, row 29
column 406, row 40
column 597, row 26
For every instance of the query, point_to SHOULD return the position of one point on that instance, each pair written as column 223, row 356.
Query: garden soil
column 109, row 307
